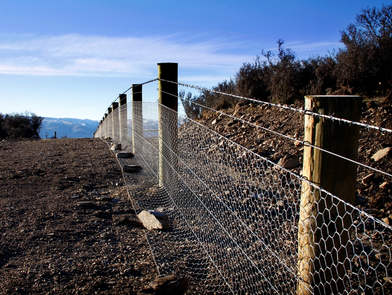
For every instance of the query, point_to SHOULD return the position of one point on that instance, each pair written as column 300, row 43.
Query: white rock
column 116, row 147
column 367, row 178
column 381, row 154
column 153, row 220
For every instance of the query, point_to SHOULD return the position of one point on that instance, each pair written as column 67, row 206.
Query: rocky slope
column 373, row 189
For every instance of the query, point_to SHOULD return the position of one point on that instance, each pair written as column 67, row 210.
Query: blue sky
column 72, row 58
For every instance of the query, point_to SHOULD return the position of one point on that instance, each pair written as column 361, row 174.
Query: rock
column 153, row 220
column 167, row 285
column 367, row 178
column 388, row 280
column 124, row 155
column 288, row 162
column 116, row 147
column 381, row 154
column 386, row 220
column 132, row 168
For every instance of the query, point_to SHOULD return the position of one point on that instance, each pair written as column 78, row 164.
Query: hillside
column 374, row 191
column 67, row 127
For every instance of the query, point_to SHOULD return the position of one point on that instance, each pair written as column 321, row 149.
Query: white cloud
column 78, row 55
column 205, row 62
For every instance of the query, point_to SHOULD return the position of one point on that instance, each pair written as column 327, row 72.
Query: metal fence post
column 137, row 116
column 322, row 229
column 167, row 121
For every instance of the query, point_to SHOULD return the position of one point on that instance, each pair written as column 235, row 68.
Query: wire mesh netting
column 238, row 221
column 235, row 218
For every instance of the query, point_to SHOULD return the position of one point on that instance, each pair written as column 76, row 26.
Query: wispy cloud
column 205, row 62
column 78, row 55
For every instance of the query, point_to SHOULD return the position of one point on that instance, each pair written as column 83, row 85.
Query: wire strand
column 131, row 87
column 305, row 143
column 300, row 177
column 306, row 112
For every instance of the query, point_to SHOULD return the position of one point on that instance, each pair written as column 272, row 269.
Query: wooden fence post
column 167, row 121
column 123, row 120
column 109, row 121
column 104, row 127
column 115, row 125
column 97, row 133
column 137, row 116
column 321, row 263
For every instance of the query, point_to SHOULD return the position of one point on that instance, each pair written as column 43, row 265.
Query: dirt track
column 63, row 225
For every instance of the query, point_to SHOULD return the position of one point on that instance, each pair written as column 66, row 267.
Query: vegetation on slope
column 361, row 67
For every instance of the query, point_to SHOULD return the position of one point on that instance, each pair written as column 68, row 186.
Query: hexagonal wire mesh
column 234, row 218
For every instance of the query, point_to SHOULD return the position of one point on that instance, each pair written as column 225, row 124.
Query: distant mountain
column 67, row 127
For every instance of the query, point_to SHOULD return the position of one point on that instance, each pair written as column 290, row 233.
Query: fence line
column 285, row 107
column 303, row 142
column 236, row 216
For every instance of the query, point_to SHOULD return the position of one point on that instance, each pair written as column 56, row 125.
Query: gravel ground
column 66, row 225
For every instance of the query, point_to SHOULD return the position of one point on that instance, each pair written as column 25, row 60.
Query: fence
column 242, row 222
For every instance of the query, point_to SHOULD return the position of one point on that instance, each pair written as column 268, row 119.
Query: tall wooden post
column 122, row 117
column 102, row 127
column 110, row 123
column 322, row 236
column 115, row 125
column 106, row 125
column 98, row 131
column 137, row 116
column 167, row 122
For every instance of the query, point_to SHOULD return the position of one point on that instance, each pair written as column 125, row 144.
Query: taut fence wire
column 241, row 222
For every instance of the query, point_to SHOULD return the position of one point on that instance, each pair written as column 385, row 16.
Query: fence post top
column 114, row 105
column 167, row 63
column 123, row 99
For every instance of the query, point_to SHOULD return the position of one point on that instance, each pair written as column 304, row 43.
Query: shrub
column 365, row 65
column 20, row 126
column 252, row 80
column 362, row 67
